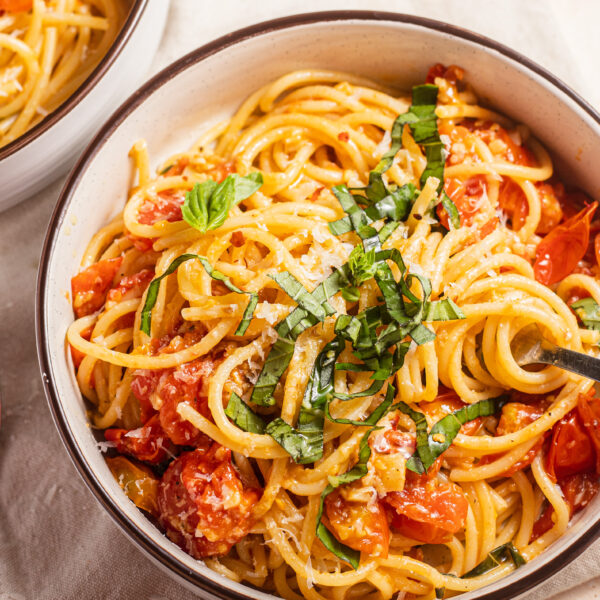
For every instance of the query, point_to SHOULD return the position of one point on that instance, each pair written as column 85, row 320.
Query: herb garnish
column 495, row 558
column 588, row 310
column 207, row 204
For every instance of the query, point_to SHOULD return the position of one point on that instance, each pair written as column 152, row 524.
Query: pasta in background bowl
column 449, row 267
column 64, row 66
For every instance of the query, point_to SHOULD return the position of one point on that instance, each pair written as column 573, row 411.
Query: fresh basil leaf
column 243, row 416
column 288, row 330
column 207, row 204
column 442, row 434
column 297, row 292
column 304, row 446
column 588, row 310
column 278, row 359
column 154, row 287
column 443, row 310
column 196, row 207
column 347, row 554
column 396, row 205
column 495, row 558
column 362, row 265
column 370, row 391
column 373, row 418
column 450, row 207
column 440, row 593
column 351, row 294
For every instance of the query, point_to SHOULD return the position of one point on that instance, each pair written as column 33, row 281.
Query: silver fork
column 529, row 347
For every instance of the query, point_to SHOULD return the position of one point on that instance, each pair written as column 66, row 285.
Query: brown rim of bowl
column 163, row 555
column 135, row 12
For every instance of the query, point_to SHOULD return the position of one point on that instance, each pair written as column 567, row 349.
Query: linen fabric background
column 56, row 542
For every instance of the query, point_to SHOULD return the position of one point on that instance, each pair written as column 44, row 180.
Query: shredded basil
column 297, row 292
column 243, row 416
column 153, row 288
column 495, row 558
column 304, row 446
column 440, row 593
column 443, row 310
column 446, row 429
column 207, row 204
column 588, row 310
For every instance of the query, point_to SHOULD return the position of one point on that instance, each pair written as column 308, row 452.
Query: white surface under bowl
column 48, row 149
column 184, row 100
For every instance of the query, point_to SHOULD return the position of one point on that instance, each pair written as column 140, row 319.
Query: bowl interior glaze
column 173, row 109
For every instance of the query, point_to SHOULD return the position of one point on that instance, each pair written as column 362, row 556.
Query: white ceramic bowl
column 182, row 101
column 47, row 150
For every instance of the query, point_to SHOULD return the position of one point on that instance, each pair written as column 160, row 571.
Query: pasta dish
column 47, row 50
column 298, row 339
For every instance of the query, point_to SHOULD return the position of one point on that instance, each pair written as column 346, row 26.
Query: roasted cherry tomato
column 361, row 526
column 578, row 490
column 560, row 251
column 76, row 355
column 467, row 195
column 130, row 286
column 89, row 287
column 148, row 443
column 571, row 449
column 166, row 207
column 137, row 481
column 452, row 73
column 515, row 416
column 16, row 5
column 427, row 509
column 185, row 384
column 203, row 504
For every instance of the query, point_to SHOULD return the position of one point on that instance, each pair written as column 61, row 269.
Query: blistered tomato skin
column 559, row 252
column 89, row 288
column 428, row 510
column 148, row 443
column 203, row 504
column 361, row 526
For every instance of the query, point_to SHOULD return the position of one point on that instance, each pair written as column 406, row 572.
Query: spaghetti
column 297, row 340
column 47, row 50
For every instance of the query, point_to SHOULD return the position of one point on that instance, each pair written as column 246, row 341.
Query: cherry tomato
column 90, row 286
column 148, row 443
column 428, row 509
column 512, row 152
column 185, row 384
column 552, row 213
column 143, row 384
column 578, row 490
column 166, row 207
column 468, row 197
column 560, row 251
column 16, row 5
column 137, row 481
column 453, row 73
column 76, row 355
column 513, row 203
column 203, row 504
column 130, row 286
column 361, row 526
column 515, row 416
column 571, row 450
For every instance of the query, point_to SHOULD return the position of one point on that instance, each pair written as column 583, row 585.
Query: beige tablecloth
column 56, row 542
